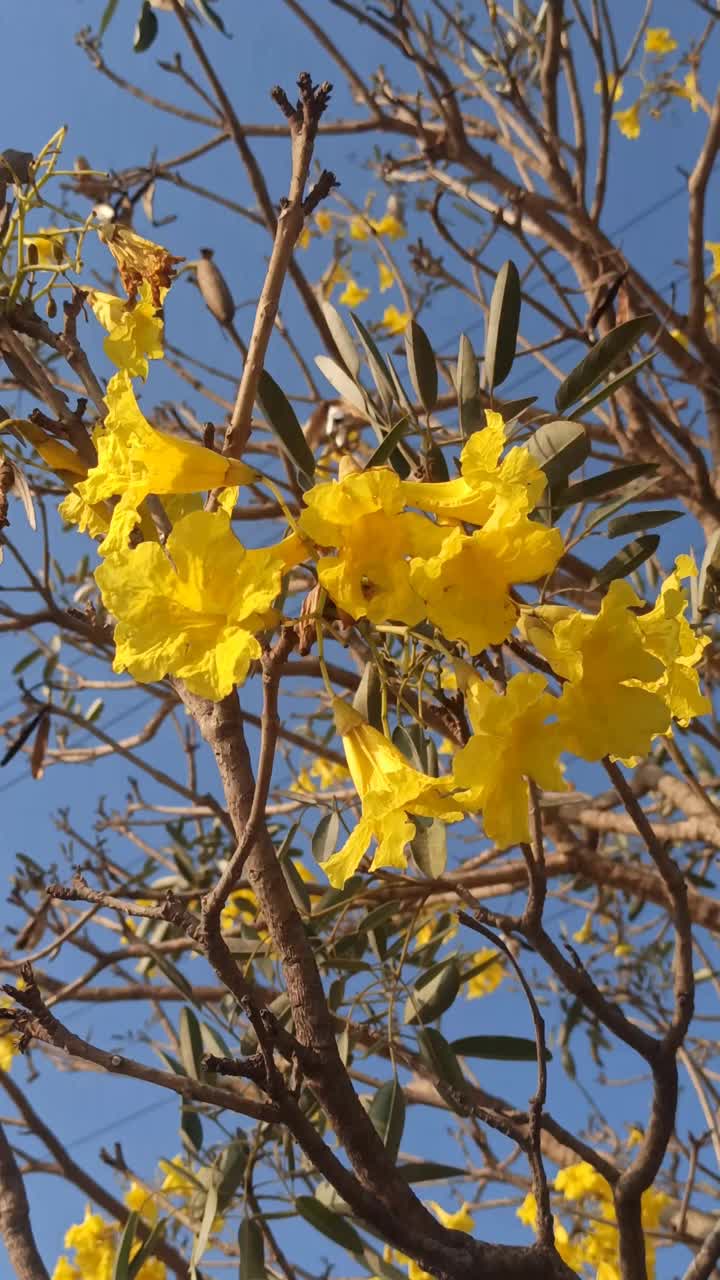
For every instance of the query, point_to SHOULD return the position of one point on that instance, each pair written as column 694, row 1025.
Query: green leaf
column 146, row 28
column 422, row 366
column 600, row 360
column 200, row 1242
column 429, row 847
column 513, row 408
column 147, row 1247
column 329, row 1224
column 630, row 492
column 387, row 1112
column 107, row 17
column 172, row 973
column 410, row 747
column 281, row 416
column 233, row 1163
column 433, row 993
column 296, row 886
column 559, row 447
column 502, row 326
column 252, row 1250
column 631, row 557
column 500, row 1048
column 709, row 577
column 26, row 661
column 121, row 1269
column 611, row 387
column 205, row 11
column 325, row 837
column 376, row 364
column 367, row 699
column 472, row 415
column 388, row 444
column 191, row 1130
column 637, row 520
column 191, row 1045
column 342, row 382
column 430, row 1171
column 342, row 339
column 442, row 1060
column 604, row 482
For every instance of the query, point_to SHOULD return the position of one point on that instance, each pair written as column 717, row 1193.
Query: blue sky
column 645, row 208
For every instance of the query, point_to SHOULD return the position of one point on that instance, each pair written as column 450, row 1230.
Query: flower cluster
column 94, row 1243
column 596, row 1244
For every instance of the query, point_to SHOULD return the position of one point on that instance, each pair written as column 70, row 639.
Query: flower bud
column 213, row 287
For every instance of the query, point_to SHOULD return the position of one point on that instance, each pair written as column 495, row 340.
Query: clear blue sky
column 48, row 81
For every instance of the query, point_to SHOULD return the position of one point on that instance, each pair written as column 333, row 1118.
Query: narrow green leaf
column 342, row 338
column 637, row 520
column 191, row 1130
column 325, row 837
column 107, row 17
column 367, row 699
column 631, row 557
column 630, row 492
column 387, row 1112
column 388, row 445
column 429, row 847
column 472, row 415
column 604, row 482
column 559, row 447
column 422, row 366
column 600, row 360
column 502, row 326
column 252, row 1250
column 200, row 1242
column 442, row 1059
column 204, row 9
column 611, row 387
column 341, row 382
column 281, row 416
column 147, row 1247
column 433, row 993
column 500, row 1048
column 513, row 408
column 172, row 973
column 146, row 28
column 191, row 1045
column 376, row 364
column 410, row 747
column 329, row 1224
column 121, row 1269
column 296, row 886
column 25, row 662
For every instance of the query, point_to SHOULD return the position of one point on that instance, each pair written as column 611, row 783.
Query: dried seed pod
column 213, row 287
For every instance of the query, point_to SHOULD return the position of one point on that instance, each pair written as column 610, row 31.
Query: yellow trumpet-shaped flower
column 391, row 792
column 192, row 609
column 465, row 584
column 46, row 248
column 511, row 742
column 713, row 247
column 389, row 226
column 353, row 294
column 668, row 635
column 395, row 321
column 135, row 460
column 628, row 121
column 489, row 977
column 609, row 705
column 484, row 481
column 658, row 40
column 134, row 332
column 362, row 516
column 139, row 261
column 387, row 277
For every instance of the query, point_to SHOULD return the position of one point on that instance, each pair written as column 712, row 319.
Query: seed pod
column 215, row 293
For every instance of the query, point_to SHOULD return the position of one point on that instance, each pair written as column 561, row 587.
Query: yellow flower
column 389, row 226
column 93, row 520
column 140, row 1199
column 94, row 1243
column 577, row 1181
column 135, row 460
column 690, row 90
column 387, row 277
column 668, row 635
column 460, row 1220
column 352, row 295
column 390, row 791
column 628, row 121
column 65, row 1271
column 511, row 742
column 395, row 321
column 327, row 772
column 504, row 552
column 485, row 482
column 242, row 904
column 680, row 337
column 608, row 705
column 489, row 977
column 614, row 87
column 622, row 949
column 8, row 1039
column 359, row 229
column 713, row 247
column 527, row 1212
column 323, row 222
column 139, row 261
column 658, row 40
column 585, row 932
column 362, row 515
column 304, row 238
column 191, row 609
column 134, row 333
column 635, row 1137
column 179, row 1180
column 49, row 249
